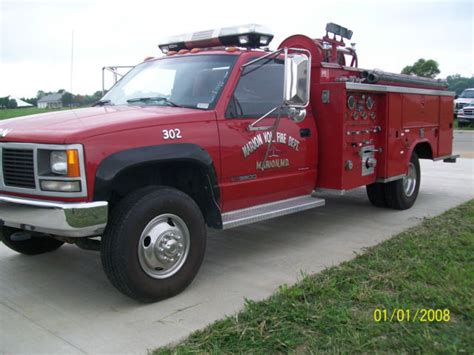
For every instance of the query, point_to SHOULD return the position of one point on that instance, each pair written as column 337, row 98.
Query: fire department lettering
column 267, row 137
column 273, row 164
column 252, row 145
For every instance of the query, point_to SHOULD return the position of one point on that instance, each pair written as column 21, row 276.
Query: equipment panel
column 362, row 142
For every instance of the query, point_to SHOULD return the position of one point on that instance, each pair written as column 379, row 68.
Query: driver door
column 290, row 167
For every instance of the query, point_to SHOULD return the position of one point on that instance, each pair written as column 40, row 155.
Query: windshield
column 467, row 94
column 193, row 81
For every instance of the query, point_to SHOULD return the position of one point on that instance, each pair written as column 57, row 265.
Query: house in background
column 21, row 103
column 13, row 102
column 51, row 101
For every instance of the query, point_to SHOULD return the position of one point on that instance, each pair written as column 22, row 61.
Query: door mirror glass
column 297, row 80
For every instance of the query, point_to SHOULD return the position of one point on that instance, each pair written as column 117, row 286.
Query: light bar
column 250, row 36
column 339, row 30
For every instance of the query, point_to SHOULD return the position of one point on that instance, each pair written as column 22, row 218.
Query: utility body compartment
column 367, row 132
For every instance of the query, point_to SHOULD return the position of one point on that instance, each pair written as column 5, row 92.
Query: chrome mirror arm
column 274, row 133
column 251, row 127
column 243, row 66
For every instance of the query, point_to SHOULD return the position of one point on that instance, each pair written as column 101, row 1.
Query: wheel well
column 188, row 177
column 424, row 151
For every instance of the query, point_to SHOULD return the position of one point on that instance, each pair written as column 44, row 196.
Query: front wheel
column 401, row 194
column 155, row 243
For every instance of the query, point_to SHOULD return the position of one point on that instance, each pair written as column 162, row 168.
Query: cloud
column 36, row 35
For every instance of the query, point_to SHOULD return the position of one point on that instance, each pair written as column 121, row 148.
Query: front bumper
column 56, row 218
column 466, row 118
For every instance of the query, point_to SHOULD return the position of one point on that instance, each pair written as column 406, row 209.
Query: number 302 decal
column 174, row 133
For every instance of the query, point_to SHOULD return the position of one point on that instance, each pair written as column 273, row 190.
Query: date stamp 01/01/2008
column 423, row 315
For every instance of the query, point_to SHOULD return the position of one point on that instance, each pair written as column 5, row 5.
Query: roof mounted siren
column 249, row 36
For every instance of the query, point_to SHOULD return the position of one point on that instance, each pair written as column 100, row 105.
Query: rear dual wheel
column 400, row 194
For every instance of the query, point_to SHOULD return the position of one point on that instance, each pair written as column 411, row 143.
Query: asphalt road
column 62, row 302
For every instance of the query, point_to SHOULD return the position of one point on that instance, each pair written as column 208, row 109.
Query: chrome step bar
column 269, row 210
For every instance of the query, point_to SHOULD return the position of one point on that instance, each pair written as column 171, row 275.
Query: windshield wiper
column 101, row 103
column 154, row 98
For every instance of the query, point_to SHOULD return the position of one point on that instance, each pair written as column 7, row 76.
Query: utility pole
column 72, row 56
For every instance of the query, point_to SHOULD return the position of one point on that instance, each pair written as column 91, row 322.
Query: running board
column 269, row 210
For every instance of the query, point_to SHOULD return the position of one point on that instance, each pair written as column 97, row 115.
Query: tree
column 12, row 103
column 32, row 100
column 67, row 98
column 426, row 68
column 458, row 84
column 4, row 101
column 97, row 95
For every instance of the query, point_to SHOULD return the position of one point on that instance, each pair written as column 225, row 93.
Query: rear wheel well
column 191, row 178
column 424, row 151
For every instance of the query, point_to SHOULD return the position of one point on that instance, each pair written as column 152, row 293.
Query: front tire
column 401, row 194
column 28, row 245
column 155, row 243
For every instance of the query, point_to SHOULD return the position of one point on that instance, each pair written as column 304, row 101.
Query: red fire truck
column 218, row 132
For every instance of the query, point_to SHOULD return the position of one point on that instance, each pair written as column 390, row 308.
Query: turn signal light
column 73, row 169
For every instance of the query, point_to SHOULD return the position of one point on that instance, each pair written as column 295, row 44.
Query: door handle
column 305, row 132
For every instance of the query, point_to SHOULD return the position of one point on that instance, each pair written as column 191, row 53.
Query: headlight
column 65, row 162
column 58, row 161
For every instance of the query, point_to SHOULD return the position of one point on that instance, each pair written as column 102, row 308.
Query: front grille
column 18, row 168
column 469, row 112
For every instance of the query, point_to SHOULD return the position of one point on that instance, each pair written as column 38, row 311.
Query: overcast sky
column 36, row 36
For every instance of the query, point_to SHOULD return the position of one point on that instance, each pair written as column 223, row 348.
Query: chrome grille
column 469, row 112
column 18, row 168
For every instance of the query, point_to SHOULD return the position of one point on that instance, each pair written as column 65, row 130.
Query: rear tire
column 154, row 244
column 376, row 194
column 29, row 246
column 402, row 193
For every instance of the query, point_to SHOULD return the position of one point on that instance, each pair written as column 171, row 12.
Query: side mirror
column 296, row 80
column 456, row 96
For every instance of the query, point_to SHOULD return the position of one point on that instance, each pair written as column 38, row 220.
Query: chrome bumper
column 467, row 118
column 56, row 218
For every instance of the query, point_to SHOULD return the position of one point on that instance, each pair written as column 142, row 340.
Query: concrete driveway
column 63, row 303
column 464, row 143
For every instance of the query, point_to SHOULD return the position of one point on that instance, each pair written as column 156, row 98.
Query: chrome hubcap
column 409, row 181
column 163, row 246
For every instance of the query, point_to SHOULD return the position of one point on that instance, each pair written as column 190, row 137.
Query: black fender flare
column 118, row 162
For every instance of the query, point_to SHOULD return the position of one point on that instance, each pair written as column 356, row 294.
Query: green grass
column 467, row 128
column 17, row 112
column 430, row 266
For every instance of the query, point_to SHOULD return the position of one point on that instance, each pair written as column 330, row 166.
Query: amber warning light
column 250, row 36
column 73, row 169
